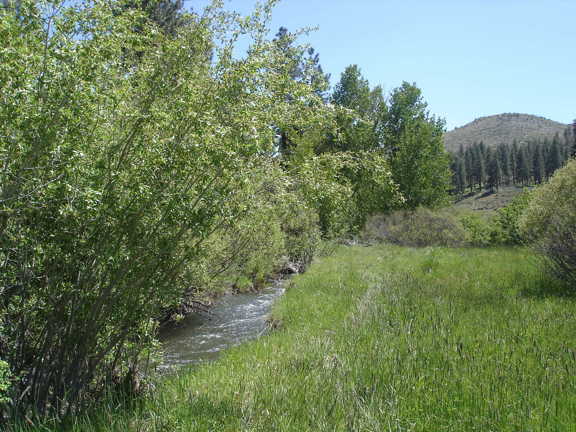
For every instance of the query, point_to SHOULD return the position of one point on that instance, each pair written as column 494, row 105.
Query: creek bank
column 173, row 317
column 233, row 319
column 228, row 320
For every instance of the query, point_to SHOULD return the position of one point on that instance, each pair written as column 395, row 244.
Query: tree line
column 518, row 163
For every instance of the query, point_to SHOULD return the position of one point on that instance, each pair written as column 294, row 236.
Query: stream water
column 233, row 320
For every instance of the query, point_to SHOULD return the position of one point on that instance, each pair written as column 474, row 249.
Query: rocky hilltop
column 502, row 128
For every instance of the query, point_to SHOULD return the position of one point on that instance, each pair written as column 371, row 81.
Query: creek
column 234, row 318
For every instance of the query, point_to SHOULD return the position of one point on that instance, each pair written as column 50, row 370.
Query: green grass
column 387, row 339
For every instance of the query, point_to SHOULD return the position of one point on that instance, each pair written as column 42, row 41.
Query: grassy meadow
column 386, row 338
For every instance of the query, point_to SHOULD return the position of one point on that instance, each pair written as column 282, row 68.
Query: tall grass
column 386, row 338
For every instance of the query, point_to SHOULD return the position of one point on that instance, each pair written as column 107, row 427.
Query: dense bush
column 500, row 228
column 121, row 152
column 479, row 229
column 446, row 227
column 549, row 222
column 346, row 188
column 274, row 230
column 506, row 222
column 301, row 231
column 417, row 228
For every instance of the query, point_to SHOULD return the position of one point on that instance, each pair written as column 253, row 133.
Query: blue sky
column 471, row 58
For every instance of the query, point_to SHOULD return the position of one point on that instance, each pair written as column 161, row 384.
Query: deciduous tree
column 414, row 143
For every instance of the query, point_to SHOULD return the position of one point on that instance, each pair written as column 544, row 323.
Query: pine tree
column 547, row 153
column 483, row 150
column 459, row 172
column 503, row 152
column 480, row 162
column 494, row 172
column 316, row 77
column 514, row 162
column 568, row 142
column 168, row 15
column 469, row 167
column 462, row 175
column 302, row 66
column 554, row 158
column 538, row 162
column 573, row 152
column 523, row 166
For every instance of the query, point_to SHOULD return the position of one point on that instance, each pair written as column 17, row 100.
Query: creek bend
column 234, row 318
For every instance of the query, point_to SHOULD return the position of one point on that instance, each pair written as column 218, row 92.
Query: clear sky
column 471, row 58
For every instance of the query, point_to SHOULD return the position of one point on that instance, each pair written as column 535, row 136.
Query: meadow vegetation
column 386, row 338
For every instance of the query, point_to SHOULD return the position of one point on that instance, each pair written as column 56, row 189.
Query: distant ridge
column 502, row 128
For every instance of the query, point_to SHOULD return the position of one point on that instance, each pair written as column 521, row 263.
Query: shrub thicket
column 123, row 152
column 346, row 188
column 478, row 227
column 275, row 229
column 501, row 228
column 417, row 228
column 444, row 227
column 506, row 228
column 549, row 222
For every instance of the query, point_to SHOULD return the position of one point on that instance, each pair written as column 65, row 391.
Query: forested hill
column 502, row 128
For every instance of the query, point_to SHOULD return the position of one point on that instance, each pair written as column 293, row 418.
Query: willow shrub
column 416, row 228
column 549, row 223
column 506, row 222
column 444, row 227
column 345, row 188
column 120, row 151
column 274, row 229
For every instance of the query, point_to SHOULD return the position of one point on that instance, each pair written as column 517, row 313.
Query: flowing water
column 233, row 320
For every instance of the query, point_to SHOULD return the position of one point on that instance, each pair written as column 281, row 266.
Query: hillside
column 502, row 128
column 487, row 201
